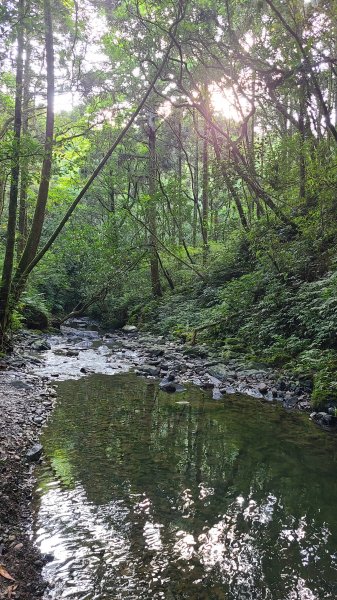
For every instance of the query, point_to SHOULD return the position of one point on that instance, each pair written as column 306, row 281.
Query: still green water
column 146, row 495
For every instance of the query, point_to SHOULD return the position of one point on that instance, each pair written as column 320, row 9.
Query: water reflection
column 149, row 498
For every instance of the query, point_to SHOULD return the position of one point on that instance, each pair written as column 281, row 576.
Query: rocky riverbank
column 25, row 403
column 79, row 351
column 27, row 394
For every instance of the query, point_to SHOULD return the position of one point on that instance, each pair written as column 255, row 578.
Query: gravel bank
column 25, row 402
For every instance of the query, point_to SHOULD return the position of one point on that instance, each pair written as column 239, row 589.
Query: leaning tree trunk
column 7, row 271
column 228, row 181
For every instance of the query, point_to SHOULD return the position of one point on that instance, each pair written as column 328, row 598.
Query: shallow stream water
column 147, row 495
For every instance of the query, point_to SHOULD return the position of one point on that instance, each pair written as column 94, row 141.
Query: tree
column 151, row 209
column 6, row 280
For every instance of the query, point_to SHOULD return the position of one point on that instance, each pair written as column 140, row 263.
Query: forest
column 172, row 165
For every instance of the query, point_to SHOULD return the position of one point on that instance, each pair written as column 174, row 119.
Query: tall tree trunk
column 335, row 95
column 151, row 216
column 3, row 182
column 22, row 225
column 180, row 175
column 195, row 186
column 301, row 121
column 7, row 271
column 205, row 188
column 40, row 209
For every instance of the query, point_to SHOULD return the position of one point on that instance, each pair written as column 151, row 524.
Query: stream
column 149, row 495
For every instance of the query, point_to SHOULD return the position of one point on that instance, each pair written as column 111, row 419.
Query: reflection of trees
column 121, row 437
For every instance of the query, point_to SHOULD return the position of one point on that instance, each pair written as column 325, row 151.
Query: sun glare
column 223, row 102
column 66, row 101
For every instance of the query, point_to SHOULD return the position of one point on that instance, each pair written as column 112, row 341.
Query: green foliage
column 17, row 320
column 33, row 311
column 325, row 386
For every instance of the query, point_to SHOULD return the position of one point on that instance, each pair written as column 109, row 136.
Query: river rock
column 291, row 400
column 216, row 394
column 207, row 385
column 195, row 351
column 157, row 351
column 129, row 328
column 258, row 373
column 18, row 547
column 48, row 557
column 150, row 370
column 324, row 420
column 71, row 353
column 154, row 362
column 40, row 346
column 262, row 388
column 21, row 385
column 86, row 370
column 228, row 389
column 307, row 385
column 168, row 386
column 219, row 371
column 34, row 453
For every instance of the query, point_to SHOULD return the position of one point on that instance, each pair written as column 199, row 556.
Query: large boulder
column 40, row 345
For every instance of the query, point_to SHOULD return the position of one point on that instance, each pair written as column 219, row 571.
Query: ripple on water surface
column 147, row 498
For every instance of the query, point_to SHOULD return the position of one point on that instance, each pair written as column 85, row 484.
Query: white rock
column 129, row 328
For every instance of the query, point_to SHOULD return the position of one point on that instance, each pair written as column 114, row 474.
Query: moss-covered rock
column 35, row 317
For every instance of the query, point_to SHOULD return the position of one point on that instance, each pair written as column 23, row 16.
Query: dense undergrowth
column 273, row 301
